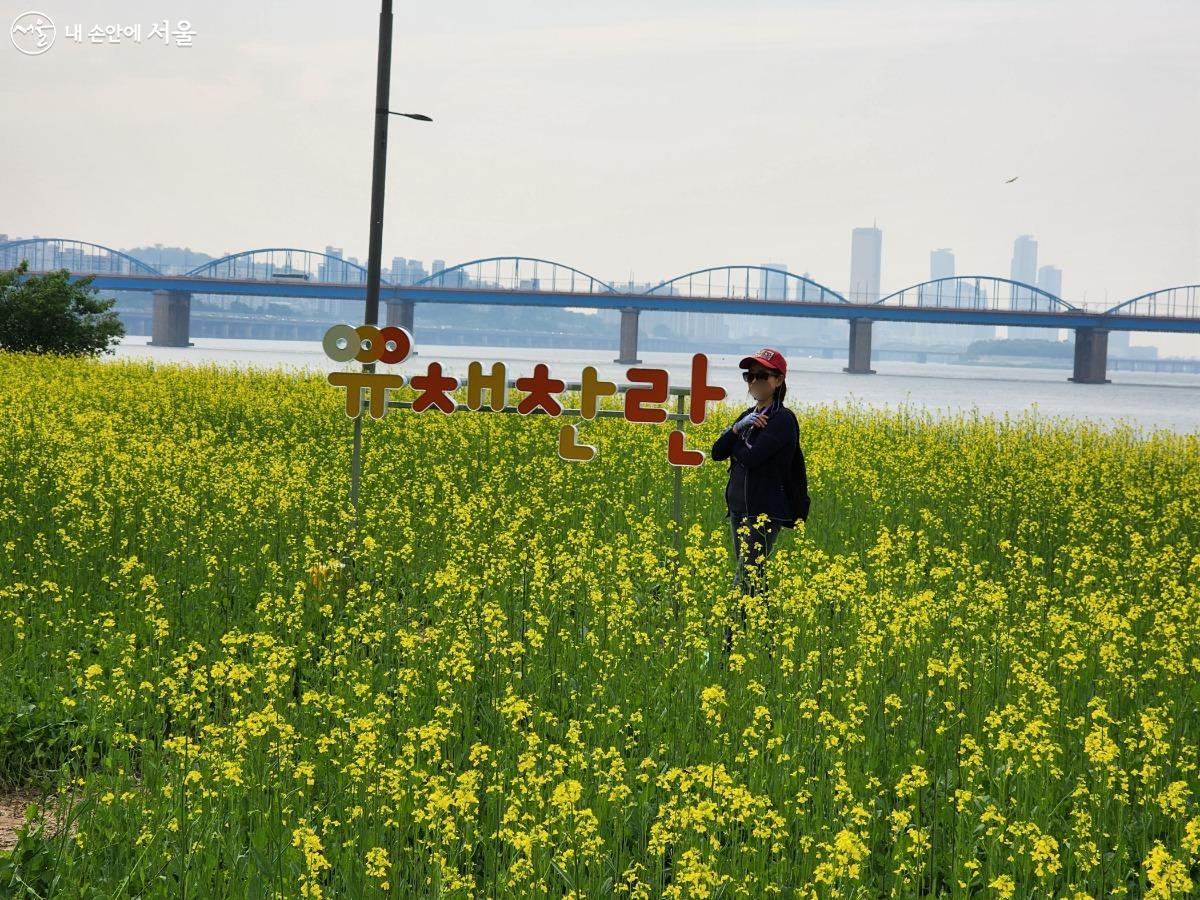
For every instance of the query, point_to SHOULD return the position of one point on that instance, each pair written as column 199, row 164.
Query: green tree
column 51, row 314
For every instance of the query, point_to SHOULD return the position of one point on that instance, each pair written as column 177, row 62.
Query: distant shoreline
column 1141, row 399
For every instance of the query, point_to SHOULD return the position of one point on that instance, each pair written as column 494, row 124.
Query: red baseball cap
column 768, row 358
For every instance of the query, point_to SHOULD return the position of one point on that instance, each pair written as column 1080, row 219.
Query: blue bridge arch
column 737, row 282
column 1183, row 300
column 977, row 292
column 84, row 257
column 284, row 263
column 517, row 273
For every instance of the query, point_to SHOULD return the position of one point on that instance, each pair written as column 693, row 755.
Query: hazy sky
column 625, row 137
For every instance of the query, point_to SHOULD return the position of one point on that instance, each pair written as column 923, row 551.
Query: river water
column 1142, row 400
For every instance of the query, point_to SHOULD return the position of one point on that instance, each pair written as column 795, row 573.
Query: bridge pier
column 860, row 348
column 629, row 336
column 1091, row 356
column 400, row 314
column 172, row 315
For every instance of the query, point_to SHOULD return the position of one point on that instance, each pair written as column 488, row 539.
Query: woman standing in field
column 759, row 446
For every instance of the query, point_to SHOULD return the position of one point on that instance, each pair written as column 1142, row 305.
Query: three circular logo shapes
column 367, row 344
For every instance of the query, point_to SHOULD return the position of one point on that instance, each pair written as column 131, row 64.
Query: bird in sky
column 1011, row 180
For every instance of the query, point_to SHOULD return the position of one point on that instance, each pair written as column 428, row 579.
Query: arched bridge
column 509, row 273
column 79, row 257
column 530, row 281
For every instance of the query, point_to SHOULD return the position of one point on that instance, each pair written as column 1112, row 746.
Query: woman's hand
column 757, row 419
column 742, row 422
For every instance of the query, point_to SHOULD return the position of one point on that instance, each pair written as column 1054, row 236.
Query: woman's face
column 761, row 388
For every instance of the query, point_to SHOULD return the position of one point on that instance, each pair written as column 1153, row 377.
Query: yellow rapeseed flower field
column 976, row 674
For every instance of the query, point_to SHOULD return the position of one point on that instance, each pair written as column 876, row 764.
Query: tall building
column 1049, row 279
column 953, row 294
column 1024, row 260
column 773, row 285
column 866, row 254
column 941, row 263
column 415, row 271
column 331, row 270
column 1023, row 268
column 406, row 271
column 866, row 257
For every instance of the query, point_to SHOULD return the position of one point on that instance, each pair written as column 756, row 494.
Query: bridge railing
column 741, row 282
column 284, row 264
column 982, row 292
column 52, row 254
column 1175, row 302
column 516, row 273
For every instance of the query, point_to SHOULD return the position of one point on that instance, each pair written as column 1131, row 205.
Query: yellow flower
column 1003, row 885
column 711, row 699
column 912, row 781
column 377, row 862
column 1174, row 798
column 567, row 793
column 1168, row 876
column 305, row 838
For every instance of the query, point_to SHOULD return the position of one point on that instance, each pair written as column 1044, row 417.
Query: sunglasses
column 750, row 377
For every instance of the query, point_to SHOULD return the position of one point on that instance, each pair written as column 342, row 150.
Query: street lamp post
column 375, row 250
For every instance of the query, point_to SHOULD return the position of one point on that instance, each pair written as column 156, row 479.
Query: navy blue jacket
column 767, row 462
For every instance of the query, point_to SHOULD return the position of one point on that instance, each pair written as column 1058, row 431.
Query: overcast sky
column 623, row 137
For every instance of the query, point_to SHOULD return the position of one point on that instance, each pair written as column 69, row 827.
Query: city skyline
column 865, row 256
column 772, row 282
column 869, row 290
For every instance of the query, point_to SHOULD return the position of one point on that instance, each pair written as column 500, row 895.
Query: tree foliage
column 50, row 313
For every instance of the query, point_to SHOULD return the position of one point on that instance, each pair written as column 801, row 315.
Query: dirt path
column 13, row 804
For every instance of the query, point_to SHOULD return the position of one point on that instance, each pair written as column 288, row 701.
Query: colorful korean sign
column 391, row 344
